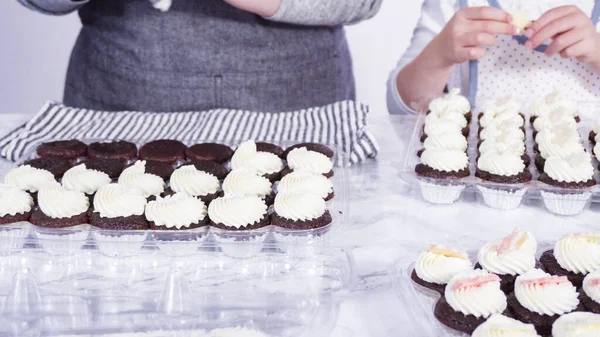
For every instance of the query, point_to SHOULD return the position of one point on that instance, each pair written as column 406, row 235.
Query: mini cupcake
column 442, row 170
column 67, row 149
column 238, row 213
column 135, row 176
column 452, row 102
column 246, row 182
column 114, row 150
column 306, row 182
column 189, row 180
column 469, row 299
column 574, row 256
column 176, row 212
column 590, row 294
column 212, row 152
column 56, row 166
column 560, row 141
column 575, row 173
column 540, row 299
column 264, row 164
column 499, row 325
column 577, row 324
column 311, row 161
column 60, row 207
column 15, row 205
column 316, row 147
column 300, row 211
column 82, row 179
column 118, row 207
column 435, row 267
column 510, row 257
column 502, row 168
column 27, row 178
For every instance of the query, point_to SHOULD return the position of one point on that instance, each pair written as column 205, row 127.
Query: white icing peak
column 544, row 294
column 452, row 101
column 27, row 178
column 247, row 157
column 237, row 211
column 476, row 293
column 58, row 202
column 577, row 324
column 439, row 264
column 575, row 168
column 445, row 160
column 300, row 206
column 177, row 211
column 116, row 200
column 591, row 286
column 305, row 182
column 447, row 114
column 578, row 253
column 507, row 127
column 441, row 126
column 246, row 182
column 504, row 109
column 450, row 141
column 504, row 143
column 553, row 119
column 189, row 180
column 558, row 100
column 136, row 176
column 502, row 164
column 303, row 159
column 561, row 141
column 513, row 255
column 13, row 201
column 80, row 178
column 501, row 326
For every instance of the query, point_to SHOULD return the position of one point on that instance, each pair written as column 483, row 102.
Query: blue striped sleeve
column 54, row 7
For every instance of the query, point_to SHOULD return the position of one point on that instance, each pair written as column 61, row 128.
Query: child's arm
column 264, row 8
column 462, row 39
column 572, row 32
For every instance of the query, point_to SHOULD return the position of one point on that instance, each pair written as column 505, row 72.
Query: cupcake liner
column 111, row 244
column 62, row 240
column 13, row 236
column 441, row 194
column 298, row 244
column 502, row 199
column 566, row 203
column 238, row 247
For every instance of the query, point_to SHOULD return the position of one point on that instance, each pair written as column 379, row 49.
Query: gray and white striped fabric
column 343, row 125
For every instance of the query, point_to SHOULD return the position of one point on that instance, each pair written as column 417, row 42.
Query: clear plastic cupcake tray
column 560, row 201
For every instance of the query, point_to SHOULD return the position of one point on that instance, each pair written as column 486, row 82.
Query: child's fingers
column 477, row 39
column 550, row 16
column 471, row 53
column 493, row 27
column 564, row 41
column 577, row 50
column 552, row 29
column 487, row 13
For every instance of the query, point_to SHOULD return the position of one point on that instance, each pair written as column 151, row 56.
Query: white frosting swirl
column 303, row 159
column 513, row 255
column 591, row 286
column 27, row 178
column 189, row 180
column 439, row 264
column 13, row 201
column 502, row 164
column 447, row 115
column 445, row 160
column 237, row 211
column 176, row 211
column 136, row 176
column 450, row 141
column 440, row 127
column 504, row 143
column 577, row 324
column 79, row 178
column 578, row 253
column 58, row 202
column 504, row 109
column 452, row 101
column 116, row 200
column 305, row 182
column 299, row 206
column 476, row 293
column 539, row 108
column 545, row 294
column 558, row 100
column 501, row 326
column 559, row 142
column 495, row 130
column 554, row 118
column 246, row 156
column 573, row 169
column 246, row 182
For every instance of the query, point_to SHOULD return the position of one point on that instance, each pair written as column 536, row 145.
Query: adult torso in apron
column 510, row 69
column 202, row 54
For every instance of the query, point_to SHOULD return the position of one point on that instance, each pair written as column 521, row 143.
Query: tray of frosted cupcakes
column 504, row 156
column 166, row 190
column 507, row 285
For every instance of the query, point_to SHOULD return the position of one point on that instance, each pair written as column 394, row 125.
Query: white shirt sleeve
column 434, row 16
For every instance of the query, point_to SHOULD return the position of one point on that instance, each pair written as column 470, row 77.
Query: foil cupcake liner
column 566, row 203
column 441, row 194
column 502, row 199
column 237, row 247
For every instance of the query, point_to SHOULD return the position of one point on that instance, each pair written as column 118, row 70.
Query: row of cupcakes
column 508, row 279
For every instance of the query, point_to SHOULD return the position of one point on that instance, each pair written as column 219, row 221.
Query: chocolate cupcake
column 452, row 102
column 67, row 149
column 500, row 325
column 540, row 299
column 136, row 176
column 435, row 267
column 246, row 182
column 216, row 169
column 574, row 256
column 60, row 207
column 300, row 211
column 166, row 151
column 469, row 299
column 115, row 150
column 577, row 324
column 590, row 292
column 238, row 213
column 56, row 166
column 510, row 257
column 118, row 207
column 502, row 168
column 443, row 164
column 15, row 205
column 112, row 167
column 315, row 147
column 211, row 152
column 28, row 178
column 306, row 182
column 157, row 168
column 271, row 148
column 264, row 164
column 314, row 162
column 177, row 212
column 82, row 179
column 189, row 180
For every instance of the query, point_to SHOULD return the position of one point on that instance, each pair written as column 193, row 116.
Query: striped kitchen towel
column 343, row 125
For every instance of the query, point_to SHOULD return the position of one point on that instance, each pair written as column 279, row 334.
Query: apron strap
column 596, row 13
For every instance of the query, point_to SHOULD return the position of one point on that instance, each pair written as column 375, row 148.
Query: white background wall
column 35, row 49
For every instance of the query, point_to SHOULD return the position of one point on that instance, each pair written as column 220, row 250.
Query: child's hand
column 572, row 32
column 468, row 33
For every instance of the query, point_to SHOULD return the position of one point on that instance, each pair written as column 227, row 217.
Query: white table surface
column 387, row 220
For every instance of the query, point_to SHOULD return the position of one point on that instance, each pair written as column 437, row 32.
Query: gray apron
column 202, row 54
